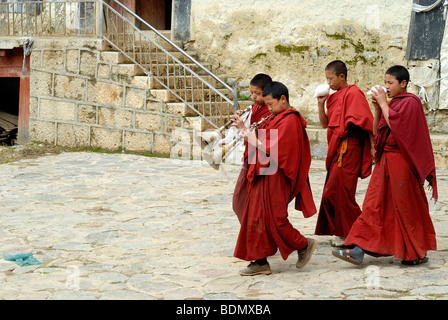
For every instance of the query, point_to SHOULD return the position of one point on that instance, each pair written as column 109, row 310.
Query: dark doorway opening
column 9, row 109
column 157, row 13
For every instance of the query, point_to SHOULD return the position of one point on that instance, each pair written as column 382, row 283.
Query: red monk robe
column 349, row 157
column 265, row 225
column 395, row 219
column 240, row 192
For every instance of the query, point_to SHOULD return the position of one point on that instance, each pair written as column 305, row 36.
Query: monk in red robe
column 350, row 123
column 277, row 175
column 395, row 220
column 259, row 111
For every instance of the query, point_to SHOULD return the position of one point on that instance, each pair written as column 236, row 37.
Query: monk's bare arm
column 322, row 114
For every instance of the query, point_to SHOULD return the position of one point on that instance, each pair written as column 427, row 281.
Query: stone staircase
column 173, row 103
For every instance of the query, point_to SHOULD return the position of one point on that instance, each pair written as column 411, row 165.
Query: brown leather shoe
column 305, row 254
column 254, row 268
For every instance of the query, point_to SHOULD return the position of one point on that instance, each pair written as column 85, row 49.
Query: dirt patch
column 35, row 150
column 30, row 151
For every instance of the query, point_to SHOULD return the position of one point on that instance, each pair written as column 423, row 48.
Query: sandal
column 415, row 262
column 349, row 256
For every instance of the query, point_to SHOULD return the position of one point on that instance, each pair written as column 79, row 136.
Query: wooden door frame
column 11, row 66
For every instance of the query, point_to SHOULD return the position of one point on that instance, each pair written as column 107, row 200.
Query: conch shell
column 322, row 90
column 374, row 90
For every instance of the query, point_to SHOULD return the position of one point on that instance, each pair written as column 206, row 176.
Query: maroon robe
column 240, row 192
column 395, row 219
column 349, row 157
column 273, row 182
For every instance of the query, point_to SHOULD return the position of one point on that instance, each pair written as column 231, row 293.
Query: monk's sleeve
column 357, row 110
column 280, row 147
column 358, row 113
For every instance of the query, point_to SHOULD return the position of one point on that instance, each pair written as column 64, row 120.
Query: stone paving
column 118, row 226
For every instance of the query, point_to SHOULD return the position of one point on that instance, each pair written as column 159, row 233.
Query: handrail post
column 236, row 107
column 101, row 17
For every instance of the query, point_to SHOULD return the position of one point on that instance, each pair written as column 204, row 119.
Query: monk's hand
column 321, row 100
column 238, row 123
column 378, row 96
column 249, row 135
column 376, row 104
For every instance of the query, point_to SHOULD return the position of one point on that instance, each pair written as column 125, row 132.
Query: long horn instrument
column 214, row 136
column 228, row 148
column 217, row 155
column 226, row 126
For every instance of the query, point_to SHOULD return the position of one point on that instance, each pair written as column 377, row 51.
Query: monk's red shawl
column 273, row 182
column 410, row 129
column 395, row 219
column 349, row 106
column 349, row 157
column 293, row 156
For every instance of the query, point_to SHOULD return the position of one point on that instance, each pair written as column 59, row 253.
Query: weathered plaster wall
column 294, row 40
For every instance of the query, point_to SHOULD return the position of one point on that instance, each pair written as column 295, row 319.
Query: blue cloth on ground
column 22, row 259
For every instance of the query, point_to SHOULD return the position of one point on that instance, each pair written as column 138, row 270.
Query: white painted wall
column 244, row 37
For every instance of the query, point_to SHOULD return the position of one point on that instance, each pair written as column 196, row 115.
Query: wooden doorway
column 15, row 93
column 157, row 13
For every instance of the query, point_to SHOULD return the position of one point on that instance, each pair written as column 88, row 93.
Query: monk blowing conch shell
column 322, row 90
column 370, row 93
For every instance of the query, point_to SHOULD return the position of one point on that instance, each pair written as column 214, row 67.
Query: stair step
column 142, row 43
column 439, row 142
column 145, row 57
column 159, row 70
column 152, row 34
column 163, row 69
column 129, row 69
column 223, row 109
column 191, row 95
column 175, row 82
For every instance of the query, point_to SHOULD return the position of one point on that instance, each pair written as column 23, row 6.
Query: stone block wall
column 84, row 96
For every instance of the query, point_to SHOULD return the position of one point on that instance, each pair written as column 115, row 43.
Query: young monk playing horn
column 349, row 124
column 259, row 111
column 277, row 174
column 395, row 218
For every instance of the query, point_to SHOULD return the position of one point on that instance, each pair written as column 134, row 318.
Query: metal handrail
column 48, row 18
column 174, row 45
column 204, row 88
